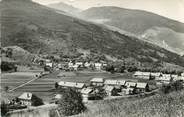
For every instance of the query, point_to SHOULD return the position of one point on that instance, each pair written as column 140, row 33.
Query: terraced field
column 43, row 87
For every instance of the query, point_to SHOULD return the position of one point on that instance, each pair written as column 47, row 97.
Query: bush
column 36, row 101
column 71, row 103
column 4, row 109
column 174, row 86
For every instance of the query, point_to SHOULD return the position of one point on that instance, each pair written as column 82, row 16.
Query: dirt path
column 24, row 84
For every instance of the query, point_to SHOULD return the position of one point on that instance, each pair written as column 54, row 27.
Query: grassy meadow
column 160, row 105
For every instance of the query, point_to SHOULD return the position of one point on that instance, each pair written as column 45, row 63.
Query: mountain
column 65, row 7
column 166, row 38
column 39, row 29
column 135, row 21
column 138, row 23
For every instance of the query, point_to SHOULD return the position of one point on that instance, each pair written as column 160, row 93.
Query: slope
column 39, row 29
column 64, row 7
column 136, row 22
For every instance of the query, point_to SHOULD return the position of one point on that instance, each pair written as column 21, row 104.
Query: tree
column 4, row 109
column 36, row 101
column 110, row 68
column 71, row 103
column 56, row 85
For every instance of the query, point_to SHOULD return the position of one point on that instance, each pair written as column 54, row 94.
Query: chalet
column 98, row 66
column 97, row 82
column 142, row 75
column 78, row 86
column 86, row 94
column 130, row 84
column 110, row 90
column 26, row 99
column 142, row 87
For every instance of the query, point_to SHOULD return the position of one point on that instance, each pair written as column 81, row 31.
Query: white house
column 87, row 64
column 76, row 85
column 97, row 81
column 50, row 64
column 130, row 84
column 26, row 99
column 111, row 82
column 182, row 74
column 128, row 91
column 98, row 66
column 142, row 87
column 70, row 64
column 110, row 90
column 142, row 75
column 86, row 94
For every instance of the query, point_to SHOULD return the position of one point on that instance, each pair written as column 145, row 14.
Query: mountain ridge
column 39, row 29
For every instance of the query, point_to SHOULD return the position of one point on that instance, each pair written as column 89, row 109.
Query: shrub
column 174, row 86
column 4, row 109
column 71, row 103
column 36, row 101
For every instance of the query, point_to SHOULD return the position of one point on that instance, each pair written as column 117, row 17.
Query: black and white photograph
column 92, row 58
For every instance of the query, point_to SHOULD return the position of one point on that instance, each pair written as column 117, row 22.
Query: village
column 139, row 84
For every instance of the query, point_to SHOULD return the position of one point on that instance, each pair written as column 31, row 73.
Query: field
column 43, row 87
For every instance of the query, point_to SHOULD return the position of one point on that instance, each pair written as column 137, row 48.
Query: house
column 182, row 74
column 111, row 82
column 128, row 91
column 75, row 67
column 97, row 82
column 110, row 90
column 70, row 64
column 121, row 82
column 142, row 75
column 130, row 84
column 49, row 64
column 156, row 75
column 87, row 64
column 86, row 94
column 142, row 87
column 26, row 99
column 80, row 64
column 165, row 77
column 78, row 86
column 98, row 66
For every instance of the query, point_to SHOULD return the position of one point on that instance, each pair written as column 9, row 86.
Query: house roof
column 26, row 96
column 164, row 78
column 71, row 84
column 100, row 80
column 86, row 90
column 121, row 82
column 157, row 74
column 182, row 74
column 58, row 96
column 133, row 84
column 109, row 88
column 111, row 82
column 141, row 85
column 139, row 73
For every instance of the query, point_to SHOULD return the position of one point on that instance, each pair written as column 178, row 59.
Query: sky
column 173, row 9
